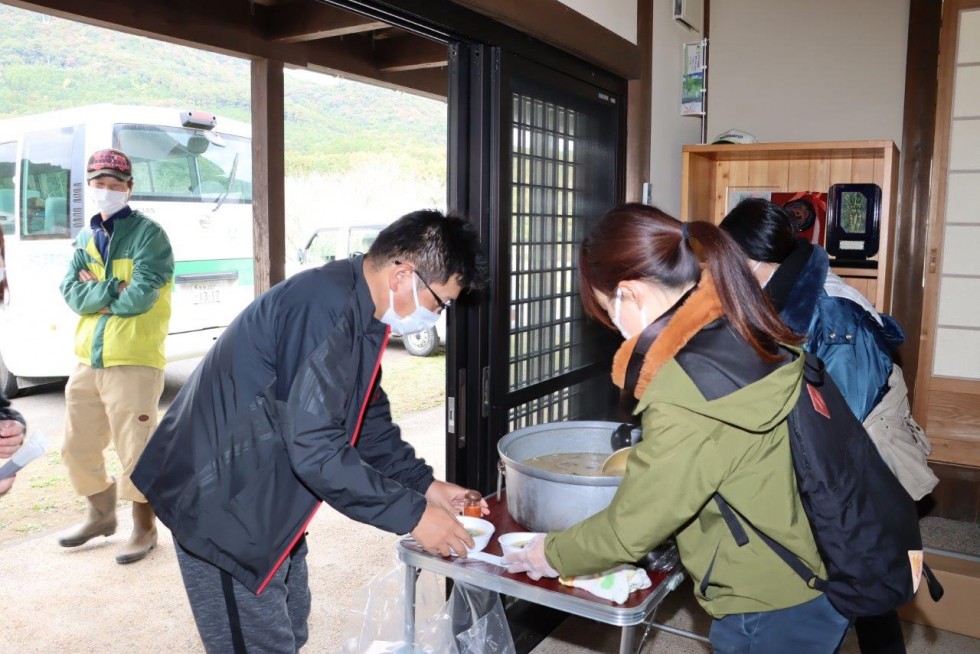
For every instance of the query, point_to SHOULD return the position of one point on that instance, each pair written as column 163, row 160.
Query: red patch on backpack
column 817, row 400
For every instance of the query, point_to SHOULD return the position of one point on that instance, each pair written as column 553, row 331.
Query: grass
column 43, row 500
column 48, row 482
column 414, row 383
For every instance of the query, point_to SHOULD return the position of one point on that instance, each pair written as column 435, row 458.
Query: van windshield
column 186, row 165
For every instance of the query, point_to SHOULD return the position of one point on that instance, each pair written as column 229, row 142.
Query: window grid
column 545, row 313
column 560, row 405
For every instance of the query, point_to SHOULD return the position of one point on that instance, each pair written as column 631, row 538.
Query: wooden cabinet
column 709, row 170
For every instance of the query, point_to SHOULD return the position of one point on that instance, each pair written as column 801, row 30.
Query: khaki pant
column 102, row 403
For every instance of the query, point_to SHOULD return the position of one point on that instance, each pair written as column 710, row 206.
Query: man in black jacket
column 286, row 411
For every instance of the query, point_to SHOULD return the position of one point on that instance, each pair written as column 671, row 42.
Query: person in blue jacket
column 287, row 411
column 840, row 326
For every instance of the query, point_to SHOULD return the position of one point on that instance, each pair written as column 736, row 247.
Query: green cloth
column 737, row 445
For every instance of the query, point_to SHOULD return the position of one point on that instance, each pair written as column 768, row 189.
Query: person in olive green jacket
column 716, row 374
column 119, row 283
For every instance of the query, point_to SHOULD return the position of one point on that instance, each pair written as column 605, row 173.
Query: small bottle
column 472, row 504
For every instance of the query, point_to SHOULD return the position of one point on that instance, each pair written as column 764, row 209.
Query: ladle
column 615, row 464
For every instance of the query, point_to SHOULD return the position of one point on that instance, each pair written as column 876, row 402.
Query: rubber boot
column 144, row 536
column 101, row 519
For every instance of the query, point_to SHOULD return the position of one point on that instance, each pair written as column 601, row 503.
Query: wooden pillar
column 918, row 140
column 640, row 107
column 268, row 174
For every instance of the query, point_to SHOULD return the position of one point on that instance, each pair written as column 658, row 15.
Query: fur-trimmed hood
column 702, row 307
column 762, row 395
column 797, row 306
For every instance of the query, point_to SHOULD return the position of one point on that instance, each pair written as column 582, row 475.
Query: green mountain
column 332, row 125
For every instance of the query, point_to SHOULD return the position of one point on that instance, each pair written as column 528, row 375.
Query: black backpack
column 863, row 521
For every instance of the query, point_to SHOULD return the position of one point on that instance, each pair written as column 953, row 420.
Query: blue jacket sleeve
column 320, row 455
column 380, row 444
column 856, row 350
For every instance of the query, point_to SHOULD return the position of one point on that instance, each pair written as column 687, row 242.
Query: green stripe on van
column 244, row 267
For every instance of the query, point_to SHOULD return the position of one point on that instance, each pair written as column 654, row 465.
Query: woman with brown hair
column 11, row 422
column 716, row 374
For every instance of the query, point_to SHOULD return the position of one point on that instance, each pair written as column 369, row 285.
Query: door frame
column 925, row 382
column 498, row 398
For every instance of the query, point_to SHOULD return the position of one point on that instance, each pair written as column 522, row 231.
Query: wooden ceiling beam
column 554, row 22
column 226, row 26
column 310, row 20
column 410, row 52
column 353, row 58
column 231, row 27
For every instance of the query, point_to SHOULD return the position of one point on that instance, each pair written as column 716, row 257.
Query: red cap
column 110, row 162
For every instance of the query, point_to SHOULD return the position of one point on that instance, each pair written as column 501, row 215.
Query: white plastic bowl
column 480, row 530
column 515, row 541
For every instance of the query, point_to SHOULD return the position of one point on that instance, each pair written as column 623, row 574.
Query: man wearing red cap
column 119, row 283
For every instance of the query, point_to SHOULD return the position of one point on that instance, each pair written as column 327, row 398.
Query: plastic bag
column 471, row 622
column 479, row 621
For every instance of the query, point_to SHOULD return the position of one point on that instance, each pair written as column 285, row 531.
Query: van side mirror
column 198, row 145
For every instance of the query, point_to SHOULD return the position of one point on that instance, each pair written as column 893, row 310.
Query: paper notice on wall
column 692, row 85
column 693, row 57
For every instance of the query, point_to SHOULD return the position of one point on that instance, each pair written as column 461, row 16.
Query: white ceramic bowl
column 515, row 541
column 480, row 530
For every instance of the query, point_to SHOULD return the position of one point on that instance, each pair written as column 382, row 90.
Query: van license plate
column 206, row 293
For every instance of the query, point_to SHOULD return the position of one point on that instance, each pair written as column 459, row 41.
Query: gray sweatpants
column 231, row 618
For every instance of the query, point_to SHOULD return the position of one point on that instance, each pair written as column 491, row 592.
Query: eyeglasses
column 442, row 305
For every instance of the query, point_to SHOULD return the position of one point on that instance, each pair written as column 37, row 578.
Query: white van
column 193, row 175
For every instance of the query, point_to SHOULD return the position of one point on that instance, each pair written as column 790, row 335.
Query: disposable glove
column 531, row 559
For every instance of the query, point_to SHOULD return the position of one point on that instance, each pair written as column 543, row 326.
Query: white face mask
column 617, row 319
column 106, row 200
column 418, row 321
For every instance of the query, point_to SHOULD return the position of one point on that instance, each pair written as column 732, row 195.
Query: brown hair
column 636, row 241
column 3, row 259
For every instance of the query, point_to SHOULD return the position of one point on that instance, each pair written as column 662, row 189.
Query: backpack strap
column 813, row 368
column 734, row 526
column 936, row 590
column 741, row 538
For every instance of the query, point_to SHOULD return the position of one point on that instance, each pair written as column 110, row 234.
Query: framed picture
column 738, row 193
column 853, row 220
column 809, row 212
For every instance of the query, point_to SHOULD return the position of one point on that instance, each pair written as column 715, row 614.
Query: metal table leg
column 626, row 640
column 411, row 575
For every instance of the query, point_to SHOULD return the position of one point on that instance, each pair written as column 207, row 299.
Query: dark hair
column 762, row 229
column 3, row 256
column 441, row 247
column 635, row 241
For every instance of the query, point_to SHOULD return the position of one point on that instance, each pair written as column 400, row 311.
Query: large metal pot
column 542, row 500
